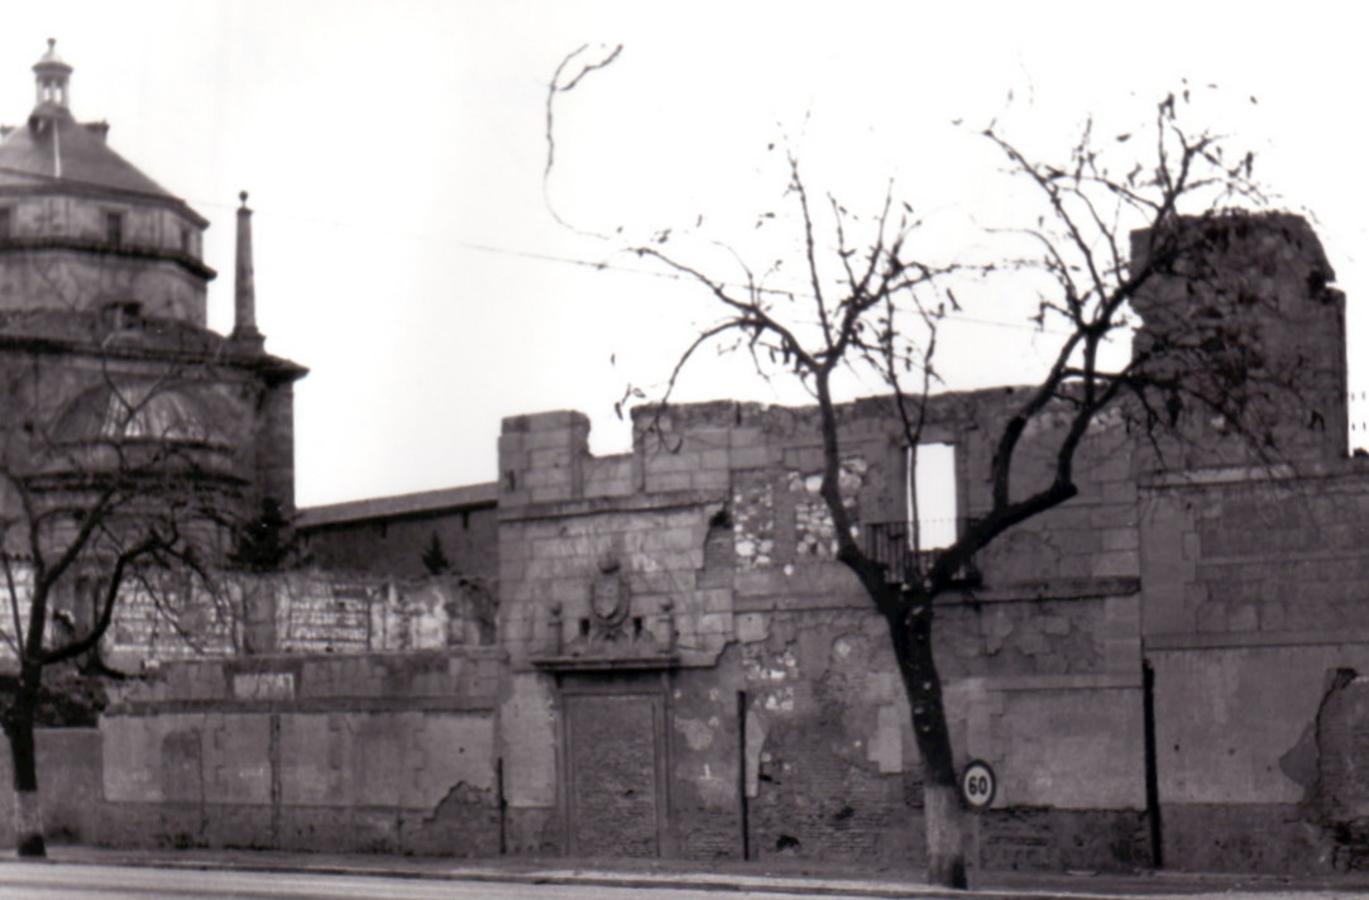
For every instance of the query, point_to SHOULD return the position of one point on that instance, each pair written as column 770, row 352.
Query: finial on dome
column 52, row 77
column 242, row 195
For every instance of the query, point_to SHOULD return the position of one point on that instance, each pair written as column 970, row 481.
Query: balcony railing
column 890, row 545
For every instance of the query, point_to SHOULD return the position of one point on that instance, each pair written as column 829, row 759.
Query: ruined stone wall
column 375, row 753
column 1248, row 315
column 786, row 729
column 295, row 612
column 1255, row 599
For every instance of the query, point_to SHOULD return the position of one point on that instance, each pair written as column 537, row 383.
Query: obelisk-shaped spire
column 244, row 290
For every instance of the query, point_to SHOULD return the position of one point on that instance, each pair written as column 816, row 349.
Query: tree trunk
column 28, row 813
column 944, row 819
column 943, row 812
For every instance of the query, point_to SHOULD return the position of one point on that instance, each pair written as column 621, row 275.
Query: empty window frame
column 114, row 228
column 931, row 499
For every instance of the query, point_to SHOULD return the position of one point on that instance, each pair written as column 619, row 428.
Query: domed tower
column 105, row 358
column 81, row 227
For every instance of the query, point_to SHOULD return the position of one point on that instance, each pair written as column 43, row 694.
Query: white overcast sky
column 394, row 152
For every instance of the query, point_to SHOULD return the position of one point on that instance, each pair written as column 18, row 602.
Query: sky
column 408, row 249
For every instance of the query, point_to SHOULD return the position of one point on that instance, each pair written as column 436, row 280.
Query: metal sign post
column 978, row 786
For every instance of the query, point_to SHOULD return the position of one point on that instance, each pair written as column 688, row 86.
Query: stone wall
column 383, row 753
column 69, row 763
column 1255, row 599
column 786, row 731
column 1248, row 315
column 157, row 262
column 297, row 612
column 681, row 668
column 395, row 544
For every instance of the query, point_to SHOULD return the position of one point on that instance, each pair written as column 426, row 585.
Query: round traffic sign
column 978, row 784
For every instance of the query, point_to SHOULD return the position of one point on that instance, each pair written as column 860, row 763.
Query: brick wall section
column 827, row 741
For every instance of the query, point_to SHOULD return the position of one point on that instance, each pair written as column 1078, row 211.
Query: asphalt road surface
column 55, row 880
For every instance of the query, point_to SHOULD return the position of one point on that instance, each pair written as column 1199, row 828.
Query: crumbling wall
column 828, row 725
column 828, row 734
column 706, row 765
column 296, row 612
column 1254, row 589
column 1238, row 754
column 1246, row 315
column 1340, row 792
column 717, row 534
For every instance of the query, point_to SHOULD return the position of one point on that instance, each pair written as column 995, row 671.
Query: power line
column 605, row 265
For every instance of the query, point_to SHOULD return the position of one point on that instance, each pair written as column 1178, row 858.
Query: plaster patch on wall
column 264, row 685
column 458, row 801
column 885, row 748
column 752, row 627
column 756, row 733
column 697, row 734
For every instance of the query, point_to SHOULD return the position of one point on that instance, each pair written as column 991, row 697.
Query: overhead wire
column 605, row 265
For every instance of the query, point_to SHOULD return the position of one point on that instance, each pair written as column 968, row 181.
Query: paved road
column 109, row 881
column 55, row 880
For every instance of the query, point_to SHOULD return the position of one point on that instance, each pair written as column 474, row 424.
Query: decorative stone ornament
column 609, row 602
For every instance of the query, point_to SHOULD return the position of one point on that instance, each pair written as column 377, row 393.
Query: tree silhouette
column 434, row 559
column 1116, row 218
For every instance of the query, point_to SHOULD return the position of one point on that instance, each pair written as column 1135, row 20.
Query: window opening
column 114, row 228
column 931, row 500
column 6, row 223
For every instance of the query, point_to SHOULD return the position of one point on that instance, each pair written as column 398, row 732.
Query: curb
column 1193, row 886
column 719, row 884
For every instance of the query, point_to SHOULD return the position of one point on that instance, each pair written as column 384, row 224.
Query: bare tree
column 868, row 304
column 111, row 485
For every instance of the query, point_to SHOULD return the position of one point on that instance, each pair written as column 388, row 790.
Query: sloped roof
column 416, row 504
column 73, row 329
column 54, row 147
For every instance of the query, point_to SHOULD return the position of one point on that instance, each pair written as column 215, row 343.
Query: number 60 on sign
column 978, row 784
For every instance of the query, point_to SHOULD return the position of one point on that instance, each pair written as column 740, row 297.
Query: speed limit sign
column 978, row 784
